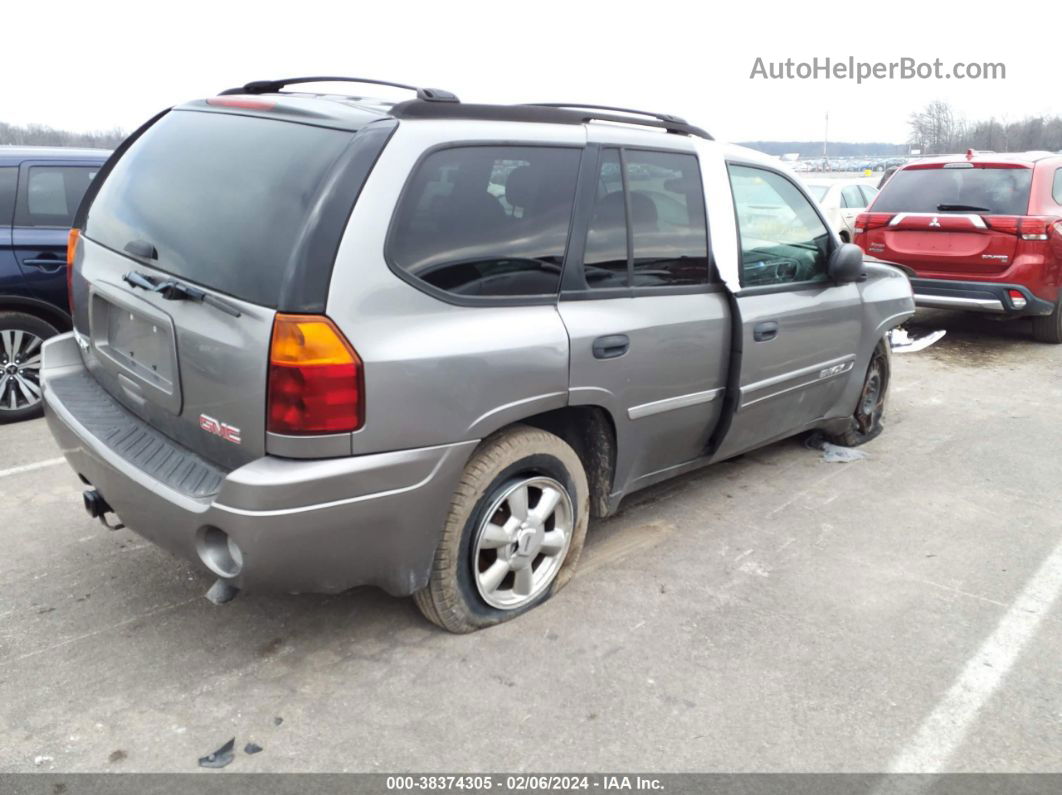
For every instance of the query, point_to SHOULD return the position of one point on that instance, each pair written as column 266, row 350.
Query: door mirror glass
column 846, row 264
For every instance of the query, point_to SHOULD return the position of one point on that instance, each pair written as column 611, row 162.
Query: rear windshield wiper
column 960, row 208
column 173, row 290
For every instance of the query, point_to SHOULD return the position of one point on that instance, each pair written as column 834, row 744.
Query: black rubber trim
column 991, row 291
column 419, row 109
column 135, row 441
column 308, row 274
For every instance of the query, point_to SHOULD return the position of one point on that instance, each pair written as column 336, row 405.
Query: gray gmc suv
column 323, row 341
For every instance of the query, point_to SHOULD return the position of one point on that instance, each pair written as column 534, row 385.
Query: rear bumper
column 976, row 297
column 301, row 525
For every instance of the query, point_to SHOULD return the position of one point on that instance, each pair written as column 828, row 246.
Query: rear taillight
column 1027, row 228
column 316, row 380
column 71, row 250
column 867, row 221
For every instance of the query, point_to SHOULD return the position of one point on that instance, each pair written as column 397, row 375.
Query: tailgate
column 960, row 244
column 197, row 234
column 188, row 369
column 944, row 218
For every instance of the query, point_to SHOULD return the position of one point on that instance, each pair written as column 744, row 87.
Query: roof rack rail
column 671, row 119
column 543, row 114
column 274, row 86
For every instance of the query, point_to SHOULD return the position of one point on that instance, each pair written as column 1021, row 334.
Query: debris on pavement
column 901, row 341
column 40, row 760
column 277, row 720
column 221, row 757
column 833, row 453
column 252, row 748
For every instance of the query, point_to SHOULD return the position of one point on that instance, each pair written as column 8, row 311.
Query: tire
column 866, row 421
column 484, row 540
column 1048, row 328
column 21, row 336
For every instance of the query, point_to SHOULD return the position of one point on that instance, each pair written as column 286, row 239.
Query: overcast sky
column 104, row 64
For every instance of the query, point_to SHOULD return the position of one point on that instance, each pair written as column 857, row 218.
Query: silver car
column 325, row 341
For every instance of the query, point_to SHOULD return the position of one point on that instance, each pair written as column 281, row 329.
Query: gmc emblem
column 230, row 433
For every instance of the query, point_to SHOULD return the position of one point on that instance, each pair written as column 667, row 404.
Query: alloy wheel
column 20, row 369
column 522, row 541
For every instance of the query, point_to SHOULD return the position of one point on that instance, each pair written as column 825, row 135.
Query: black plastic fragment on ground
column 221, row 757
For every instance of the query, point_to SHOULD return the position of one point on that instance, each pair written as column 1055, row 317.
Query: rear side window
column 224, row 199
column 8, row 181
column 1057, row 191
column 52, row 193
column 852, row 197
column 660, row 197
column 869, row 194
column 668, row 224
column 996, row 191
column 487, row 221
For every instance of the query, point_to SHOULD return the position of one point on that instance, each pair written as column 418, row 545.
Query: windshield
column 223, row 199
column 995, row 191
column 818, row 192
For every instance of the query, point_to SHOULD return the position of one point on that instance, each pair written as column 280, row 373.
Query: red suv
column 981, row 231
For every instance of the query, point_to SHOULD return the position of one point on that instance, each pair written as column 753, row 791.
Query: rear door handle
column 47, row 265
column 767, row 330
column 611, row 346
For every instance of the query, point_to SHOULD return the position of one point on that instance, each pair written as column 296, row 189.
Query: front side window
column 52, row 194
column 487, row 221
column 783, row 240
column 660, row 198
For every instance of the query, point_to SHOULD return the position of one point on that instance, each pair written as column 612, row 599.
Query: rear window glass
column 487, row 220
column 222, row 198
column 998, row 191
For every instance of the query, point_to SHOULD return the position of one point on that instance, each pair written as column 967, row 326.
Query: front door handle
column 767, row 330
column 46, row 265
column 611, row 346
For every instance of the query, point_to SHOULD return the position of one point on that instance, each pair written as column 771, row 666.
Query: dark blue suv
column 40, row 188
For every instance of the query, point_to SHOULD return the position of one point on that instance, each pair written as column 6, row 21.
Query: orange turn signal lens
column 71, row 246
column 316, row 383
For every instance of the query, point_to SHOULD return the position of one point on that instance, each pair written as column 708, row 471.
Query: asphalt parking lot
column 774, row 613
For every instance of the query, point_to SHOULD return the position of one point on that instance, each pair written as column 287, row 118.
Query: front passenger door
column 800, row 331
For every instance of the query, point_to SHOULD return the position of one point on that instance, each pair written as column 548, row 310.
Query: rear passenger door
column 48, row 196
column 800, row 331
column 647, row 322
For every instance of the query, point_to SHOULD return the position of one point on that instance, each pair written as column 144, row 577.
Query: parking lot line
column 944, row 730
column 30, row 467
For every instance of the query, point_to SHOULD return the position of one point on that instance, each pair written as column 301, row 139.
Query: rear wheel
column 1048, row 328
column 21, row 337
column 514, row 532
column 866, row 421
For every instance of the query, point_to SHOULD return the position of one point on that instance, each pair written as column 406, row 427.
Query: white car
column 841, row 201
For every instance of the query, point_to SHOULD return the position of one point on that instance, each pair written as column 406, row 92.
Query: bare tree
column 41, row 135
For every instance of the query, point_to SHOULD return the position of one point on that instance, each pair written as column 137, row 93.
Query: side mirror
column 846, row 264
